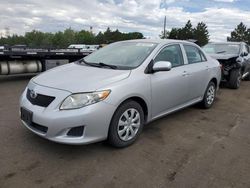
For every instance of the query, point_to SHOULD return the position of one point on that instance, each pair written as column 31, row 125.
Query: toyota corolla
column 112, row 93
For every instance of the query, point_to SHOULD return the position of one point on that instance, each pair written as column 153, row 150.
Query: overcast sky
column 145, row 16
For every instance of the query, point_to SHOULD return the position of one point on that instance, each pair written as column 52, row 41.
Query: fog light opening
column 76, row 131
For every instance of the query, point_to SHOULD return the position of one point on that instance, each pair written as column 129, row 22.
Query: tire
column 125, row 125
column 209, row 96
column 235, row 79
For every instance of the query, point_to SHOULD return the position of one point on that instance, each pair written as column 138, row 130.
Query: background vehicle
column 113, row 92
column 235, row 60
column 77, row 46
column 84, row 47
column 20, row 59
column 93, row 47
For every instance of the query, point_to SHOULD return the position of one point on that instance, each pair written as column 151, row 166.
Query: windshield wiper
column 97, row 64
column 221, row 52
column 107, row 65
column 87, row 63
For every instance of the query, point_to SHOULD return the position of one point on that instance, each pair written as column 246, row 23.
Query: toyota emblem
column 33, row 94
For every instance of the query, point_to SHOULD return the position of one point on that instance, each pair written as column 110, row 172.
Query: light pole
column 164, row 29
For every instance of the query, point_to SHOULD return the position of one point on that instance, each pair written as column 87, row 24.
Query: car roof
column 161, row 41
column 238, row 43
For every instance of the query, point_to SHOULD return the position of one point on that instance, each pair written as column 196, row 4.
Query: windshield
column 123, row 55
column 222, row 48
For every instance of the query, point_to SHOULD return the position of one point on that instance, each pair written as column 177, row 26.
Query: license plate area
column 26, row 116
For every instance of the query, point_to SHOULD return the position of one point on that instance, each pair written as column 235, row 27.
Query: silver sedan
column 112, row 93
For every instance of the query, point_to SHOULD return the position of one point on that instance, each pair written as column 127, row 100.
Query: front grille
column 39, row 128
column 39, row 100
column 76, row 131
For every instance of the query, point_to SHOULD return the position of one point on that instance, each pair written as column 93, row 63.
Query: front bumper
column 95, row 118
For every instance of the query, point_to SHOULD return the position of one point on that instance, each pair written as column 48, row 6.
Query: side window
column 247, row 48
column 194, row 54
column 203, row 57
column 172, row 54
column 244, row 49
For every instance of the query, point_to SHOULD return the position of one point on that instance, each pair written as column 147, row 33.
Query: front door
column 169, row 88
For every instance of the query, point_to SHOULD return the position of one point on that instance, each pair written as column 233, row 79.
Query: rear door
column 198, row 69
column 169, row 88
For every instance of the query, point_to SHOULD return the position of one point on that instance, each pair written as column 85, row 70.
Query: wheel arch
column 215, row 81
column 141, row 102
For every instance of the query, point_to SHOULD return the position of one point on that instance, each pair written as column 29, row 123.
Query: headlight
column 80, row 100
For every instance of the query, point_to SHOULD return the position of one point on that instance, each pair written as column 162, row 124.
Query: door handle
column 185, row 73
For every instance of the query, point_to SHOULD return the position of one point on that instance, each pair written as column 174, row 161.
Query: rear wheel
column 126, row 124
column 209, row 96
column 235, row 79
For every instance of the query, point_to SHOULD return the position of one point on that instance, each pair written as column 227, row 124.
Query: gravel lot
column 191, row 148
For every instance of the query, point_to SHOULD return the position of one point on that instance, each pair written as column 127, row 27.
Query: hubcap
column 129, row 124
column 210, row 95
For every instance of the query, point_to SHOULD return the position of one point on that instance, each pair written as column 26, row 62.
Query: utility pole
column 164, row 29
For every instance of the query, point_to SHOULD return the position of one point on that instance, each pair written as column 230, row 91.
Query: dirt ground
column 191, row 148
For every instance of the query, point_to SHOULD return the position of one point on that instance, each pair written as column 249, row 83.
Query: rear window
column 194, row 54
column 222, row 48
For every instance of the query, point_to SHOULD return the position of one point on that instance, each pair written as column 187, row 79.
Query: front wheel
column 126, row 124
column 209, row 96
column 235, row 79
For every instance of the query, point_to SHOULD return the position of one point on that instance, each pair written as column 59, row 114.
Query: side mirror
column 162, row 66
column 243, row 54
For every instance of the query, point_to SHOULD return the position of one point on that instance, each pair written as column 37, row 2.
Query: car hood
column 76, row 78
column 223, row 56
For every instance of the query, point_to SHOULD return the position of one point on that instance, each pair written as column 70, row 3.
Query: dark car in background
column 234, row 58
